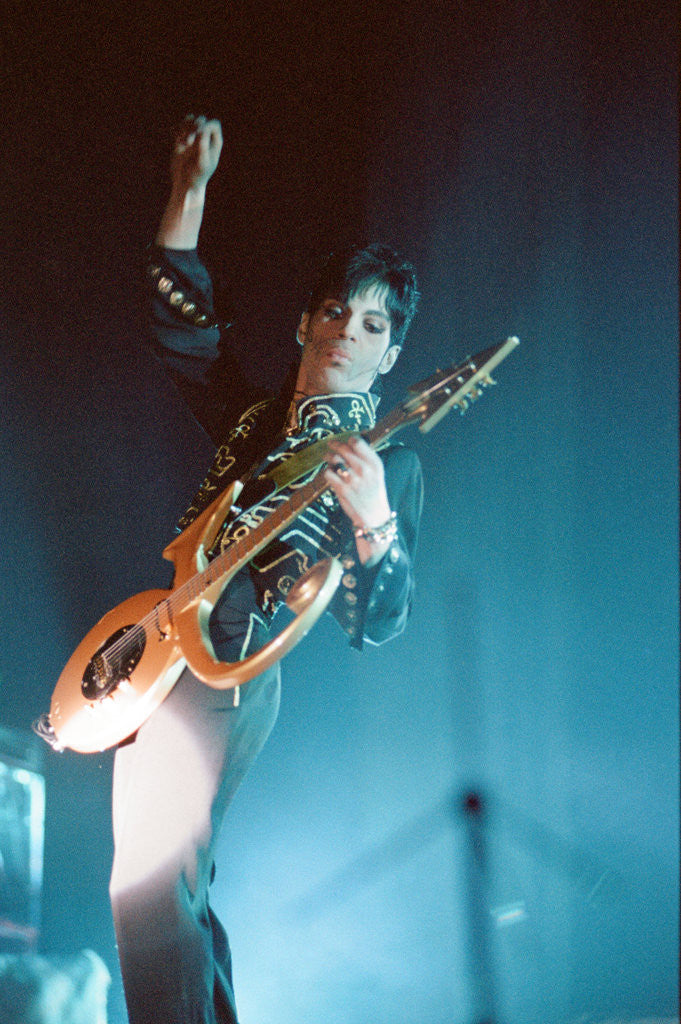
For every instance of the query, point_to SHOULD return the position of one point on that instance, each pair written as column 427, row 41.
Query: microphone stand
column 473, row 807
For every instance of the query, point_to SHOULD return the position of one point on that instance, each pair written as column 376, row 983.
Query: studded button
column 165, row 285
column 188, row 308
column 348, row 562
column 348, row 580
column 350, row 597
column 351, row 613
column 394, row 554
column 176, row 298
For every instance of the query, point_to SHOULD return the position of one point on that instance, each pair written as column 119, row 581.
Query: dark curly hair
column 356, row 268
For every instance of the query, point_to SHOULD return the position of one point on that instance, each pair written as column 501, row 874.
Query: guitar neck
column 401, row 415
column 242, row 550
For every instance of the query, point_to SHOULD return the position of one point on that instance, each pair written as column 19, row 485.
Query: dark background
column 524, row 155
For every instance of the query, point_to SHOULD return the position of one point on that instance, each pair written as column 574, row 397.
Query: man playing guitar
column 175, row 777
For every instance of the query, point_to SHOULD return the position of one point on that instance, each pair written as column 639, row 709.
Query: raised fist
column 196, row 153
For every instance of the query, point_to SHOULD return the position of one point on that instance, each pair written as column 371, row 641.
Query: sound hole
column 113, row 662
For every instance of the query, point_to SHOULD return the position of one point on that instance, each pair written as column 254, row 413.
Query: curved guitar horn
column 308, row 598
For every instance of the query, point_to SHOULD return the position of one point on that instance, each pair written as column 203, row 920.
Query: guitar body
column 129, row 662
column 87, row 718
column 91, row 724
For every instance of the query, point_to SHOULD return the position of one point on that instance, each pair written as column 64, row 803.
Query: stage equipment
column 22, row 816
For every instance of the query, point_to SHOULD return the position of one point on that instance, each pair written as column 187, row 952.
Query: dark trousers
column 172, row 785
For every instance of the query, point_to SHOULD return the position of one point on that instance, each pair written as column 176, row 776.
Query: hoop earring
column 298, row 338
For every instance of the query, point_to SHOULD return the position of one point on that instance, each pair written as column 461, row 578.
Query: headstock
column 458, row 386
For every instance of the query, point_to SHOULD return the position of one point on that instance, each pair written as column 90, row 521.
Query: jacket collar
column 348, row 411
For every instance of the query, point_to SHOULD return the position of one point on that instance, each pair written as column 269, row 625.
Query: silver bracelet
column 387, row 531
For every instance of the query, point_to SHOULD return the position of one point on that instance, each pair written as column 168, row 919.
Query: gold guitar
column 128, row 663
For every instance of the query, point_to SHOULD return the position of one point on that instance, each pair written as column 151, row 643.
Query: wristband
column 387, row 531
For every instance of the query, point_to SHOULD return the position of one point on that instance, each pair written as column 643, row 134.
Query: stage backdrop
column 478, row 821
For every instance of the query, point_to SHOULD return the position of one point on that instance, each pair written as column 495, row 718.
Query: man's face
column 345, row 344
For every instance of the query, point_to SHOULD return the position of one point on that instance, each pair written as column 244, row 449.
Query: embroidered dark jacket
column 246, row 423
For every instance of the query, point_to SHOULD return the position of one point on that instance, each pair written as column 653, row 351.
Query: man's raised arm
column 196, row 154
column 182, row 325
